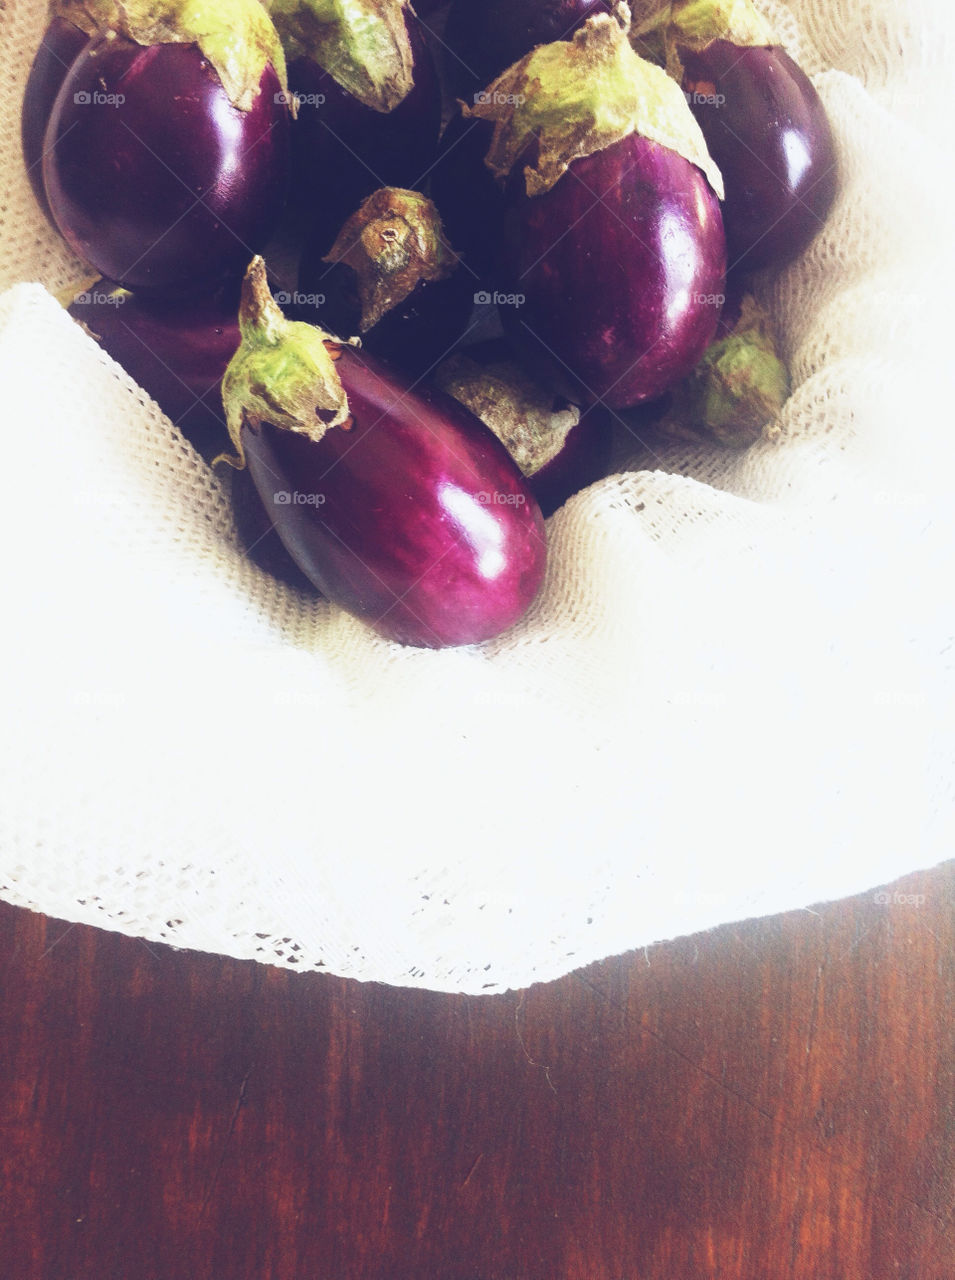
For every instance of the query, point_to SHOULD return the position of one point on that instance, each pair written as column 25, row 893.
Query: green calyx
column 734, row 394
column 693, row 25
column 236, row 36
column 575, row 98
column 518, row 410
column 362, row 44
column 393, row 242
column 283, row 372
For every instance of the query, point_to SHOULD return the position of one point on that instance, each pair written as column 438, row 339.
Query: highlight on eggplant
column 166, row 163
column 398, row 504
column 392, row 279
column 764, row 124
column 612, row 234
column 559, row 448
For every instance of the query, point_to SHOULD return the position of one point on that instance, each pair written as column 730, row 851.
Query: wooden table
column 768, row 1101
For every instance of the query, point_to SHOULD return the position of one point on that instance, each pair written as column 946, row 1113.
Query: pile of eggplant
column 411, row 342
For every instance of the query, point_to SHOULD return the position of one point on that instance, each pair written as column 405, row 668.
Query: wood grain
column 770, row 1101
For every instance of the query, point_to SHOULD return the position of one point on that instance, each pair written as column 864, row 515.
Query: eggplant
column 165, row 164
column 396, row 502
column 61, row 44
column 256, row 530
column 176, row 350
column 368, row 106
column 483, row 37
column 766, row 128
column 471, row 203
column 612, row 249
column 391, row 278
column 559, row 449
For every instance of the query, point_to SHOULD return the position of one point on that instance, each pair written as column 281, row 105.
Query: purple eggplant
column 258, row 537
column 368, row 107
column 470, row 201
column 62, row 43
column 766, row 128
column 559, row 449
column 166, row 164
column 397, row 503
column 612, row 248
column 392, row 279
column 482, row 37
column 176, row 350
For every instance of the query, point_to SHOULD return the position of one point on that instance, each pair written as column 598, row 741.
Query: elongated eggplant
column 165, row 163
column 764, row 125
column 177, row 350
column 559, row 449
column 482, row 37
column 61, row 44
column 397, row 503
column 368, row 105
column 392, row 279
column 612, row 249
column 767, row 129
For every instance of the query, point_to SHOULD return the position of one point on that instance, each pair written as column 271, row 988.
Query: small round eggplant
column 767, row 129
column 397, row 503
column 62, row 43
column 164, row 164
column 559, row 449
column 470, row 201
column 368, row 107
column 176, row 350
column 612, row 250
column 482, row 37
column 391, row 278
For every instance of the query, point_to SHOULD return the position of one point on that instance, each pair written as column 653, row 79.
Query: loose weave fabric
column 733, row 696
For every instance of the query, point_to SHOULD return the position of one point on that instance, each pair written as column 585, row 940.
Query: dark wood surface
column 768, row 1101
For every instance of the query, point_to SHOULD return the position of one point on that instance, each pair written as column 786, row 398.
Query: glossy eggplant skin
column 483, row 37
column 414, row 519
column 342, row 150
column 768, row 132
column 413, row 336
column 61, row 45
column 176, row 350
column 621, row 267
column 153, row 177
column 471, row 204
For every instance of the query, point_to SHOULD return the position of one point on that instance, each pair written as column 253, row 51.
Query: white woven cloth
column 732, row 698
